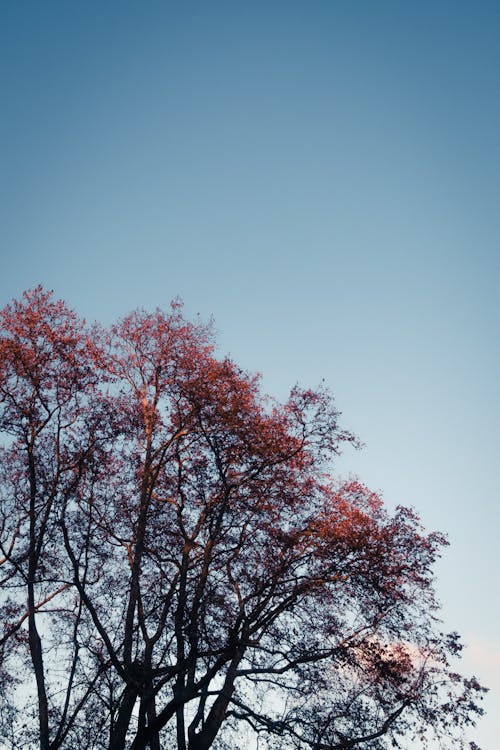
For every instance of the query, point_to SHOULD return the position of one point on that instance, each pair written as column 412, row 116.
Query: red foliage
column 176, row 541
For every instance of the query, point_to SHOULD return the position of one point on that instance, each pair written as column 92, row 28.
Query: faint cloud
column 482, row 656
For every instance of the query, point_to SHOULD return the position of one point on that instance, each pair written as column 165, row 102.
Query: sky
column 320, row 177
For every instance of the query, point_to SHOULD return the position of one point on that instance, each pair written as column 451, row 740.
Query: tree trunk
column 203, row 739
column 120, row 728
column 35, row 643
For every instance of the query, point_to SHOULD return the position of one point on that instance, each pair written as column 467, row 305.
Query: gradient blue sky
column 323, row 179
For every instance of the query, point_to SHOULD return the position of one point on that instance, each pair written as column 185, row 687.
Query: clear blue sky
column 323, row 178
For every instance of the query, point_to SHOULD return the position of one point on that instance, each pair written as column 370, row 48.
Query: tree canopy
column 180, row 566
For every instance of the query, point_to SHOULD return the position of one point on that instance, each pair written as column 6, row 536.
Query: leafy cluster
column 178, row 567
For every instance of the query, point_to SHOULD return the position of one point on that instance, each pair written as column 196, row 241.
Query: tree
column 180, row 568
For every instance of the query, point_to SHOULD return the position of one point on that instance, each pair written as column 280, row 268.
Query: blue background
column 323, row 179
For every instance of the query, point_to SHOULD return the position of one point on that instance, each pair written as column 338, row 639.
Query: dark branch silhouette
column 179, row 564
